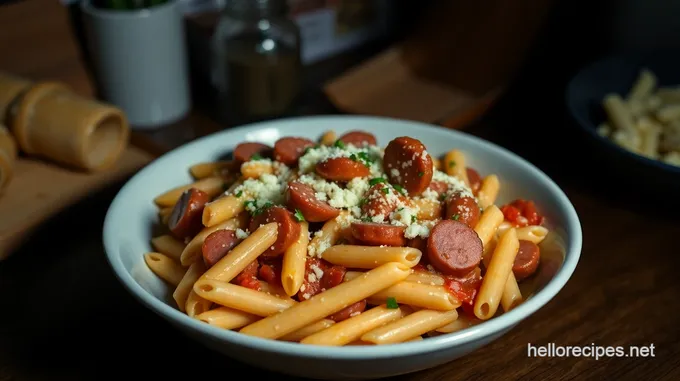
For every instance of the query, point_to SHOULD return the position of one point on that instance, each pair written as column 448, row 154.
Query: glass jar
column 256, row 66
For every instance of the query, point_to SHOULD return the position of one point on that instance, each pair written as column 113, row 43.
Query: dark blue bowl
column 617, row 74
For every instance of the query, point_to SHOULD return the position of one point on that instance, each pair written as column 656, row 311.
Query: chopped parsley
column 377, row 180
column 363, row 156
column 239, row 194
column 339, row 144
column 353, row 157
column 442, row 197
column 386, row 190
column 399, row 188
column 452, row 164
column 421, row 174
column 256, row 156
column 413, row 219
column 392, row 303
column 362, row 202
column 366, row 219
column 251, row 206
column 299, row 216
column 455, row 217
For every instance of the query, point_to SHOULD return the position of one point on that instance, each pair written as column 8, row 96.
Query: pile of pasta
column 307, row 272
column 646, row 121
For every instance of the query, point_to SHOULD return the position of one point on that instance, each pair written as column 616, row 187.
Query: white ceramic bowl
column 128, row 229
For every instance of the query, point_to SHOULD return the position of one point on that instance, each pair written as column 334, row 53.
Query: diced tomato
column 312, row 284
column 248, row 277
column 271, row 273
column 465, row 288
column 469, row 310
column 251, row 283
column 522, row 213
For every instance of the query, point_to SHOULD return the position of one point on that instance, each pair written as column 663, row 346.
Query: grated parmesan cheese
column 242, row 234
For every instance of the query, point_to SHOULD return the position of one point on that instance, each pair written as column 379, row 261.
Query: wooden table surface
column 64, row 315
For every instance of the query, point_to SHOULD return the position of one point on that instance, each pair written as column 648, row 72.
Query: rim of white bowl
column 491, row 326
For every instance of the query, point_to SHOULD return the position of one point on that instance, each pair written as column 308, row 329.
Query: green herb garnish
column 392, row 303
column 413, row 219
column 251, row 206
column 386, row 190
column 366, row 219
column 365, row 158
column 256, row 156
column 340, row 144
column 399, row 188
column 377, row 180
column 353, row 157
column 299, row 216
column 362, row 202
column 452, row 164
column 442, row 197
column 239, row 193
column 421, row 174
column 455, row 217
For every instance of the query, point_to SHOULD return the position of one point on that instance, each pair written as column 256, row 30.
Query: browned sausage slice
column 377, row 203
column 373, row 234
column 358, row 138
column 186, row 216
column 244, row 151
column 289, row 149
column 462, row 209
column 302, row 197
column 439, row 186
column 288, row 228
column 454, row 248
column 217, row 244
column 527, row 260
column 475, row 180
column 349, row 311
column 408, row 164
column 341, row 169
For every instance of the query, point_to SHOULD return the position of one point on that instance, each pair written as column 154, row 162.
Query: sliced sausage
column 349, row 311
column 244, row 151
column 454, row 248
column 376, row 202
column 408, row 164
column 341, row 169
column 303, row 198
column 418, row 243
column 439, row 186
column 462, row 209
column 475, row 180
column 359, row 138
column 217, row 244
column 372, row 234
column 288, row 150
column 288, row 228
column 527, row 260
column 186, row 217
column 270, row 271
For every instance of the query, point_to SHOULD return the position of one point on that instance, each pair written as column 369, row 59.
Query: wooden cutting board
column 41, row 189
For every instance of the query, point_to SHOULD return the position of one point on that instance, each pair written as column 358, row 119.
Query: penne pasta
column 210, row 185
column 241, row 298
column 185, row 286
column 255, row 169
column 229, row 266
column 644, row 85
column 192, row 251
column 328, row 302
column 409, row 327
column 533, row 233
column 459, row 324
column 350, row 330
column 496, row 276
column 425, row 278
column 326, row 237
column 203, row 170
column 274, row 290
column 489, row 221
column 164, row 267
column 164, row 215
column 511, row 296
column 455, row 165
column 328, row 138
column 294, row 260
column 168, row 245
column 196, row 305
column 619, row 116
column 428, row 209
column 488, row 191
column 227, row 318
column 369, row 257
column 311, row 329
column 222, row 209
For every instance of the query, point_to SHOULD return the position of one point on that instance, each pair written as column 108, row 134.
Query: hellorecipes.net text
column 593, row 351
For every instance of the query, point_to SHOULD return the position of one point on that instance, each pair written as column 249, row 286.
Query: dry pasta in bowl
column 342, row 241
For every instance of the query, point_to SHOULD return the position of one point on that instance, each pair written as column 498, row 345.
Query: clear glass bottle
column 256, row 66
